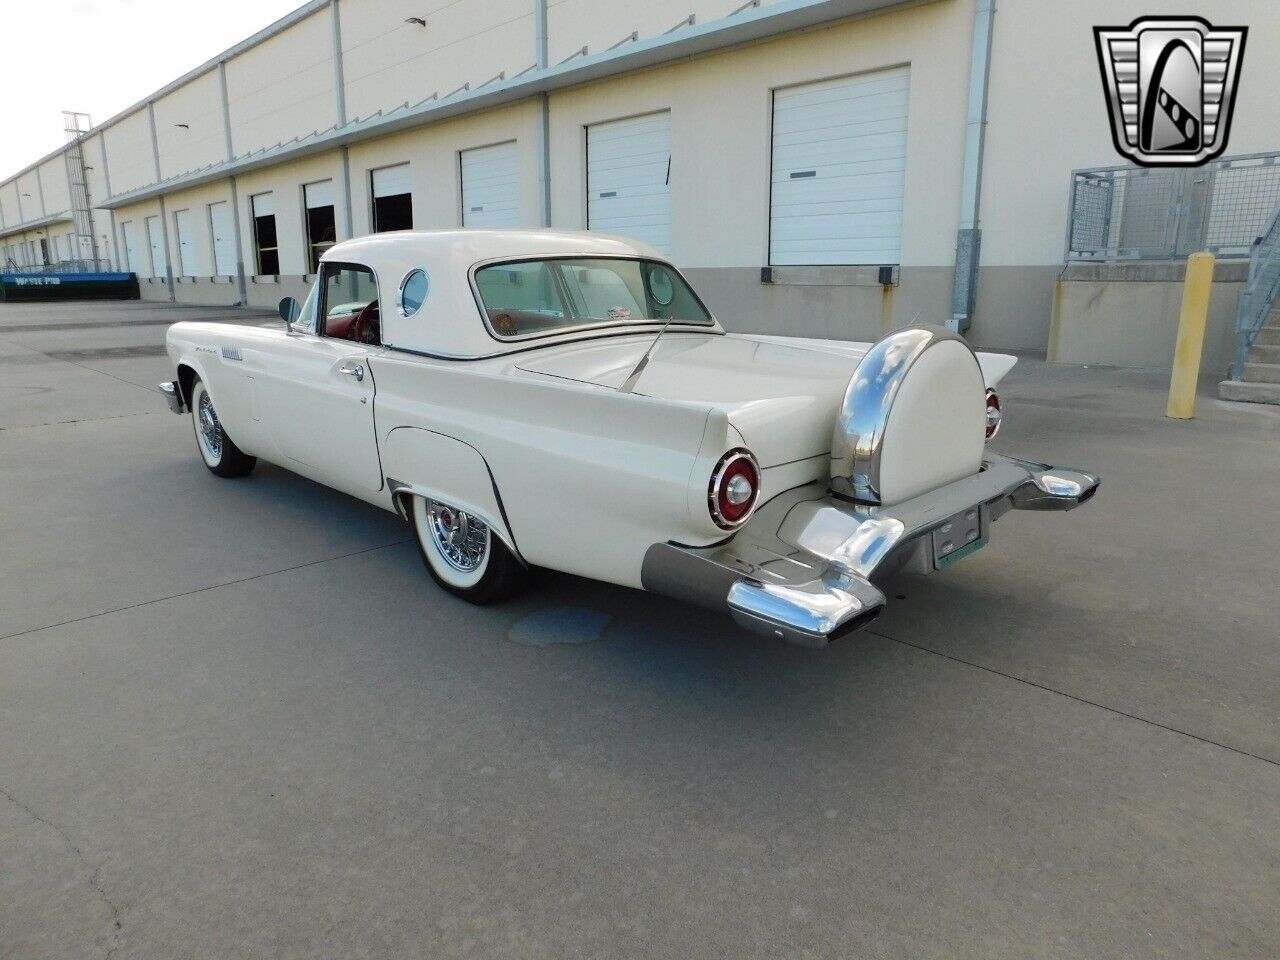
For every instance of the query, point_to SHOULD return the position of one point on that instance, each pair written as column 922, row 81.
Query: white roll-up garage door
column 318, row 194
column 264, row 205
column 839, row 168
column 224, row 241
column 392, row 181
column 629, row 178
column 491, row 186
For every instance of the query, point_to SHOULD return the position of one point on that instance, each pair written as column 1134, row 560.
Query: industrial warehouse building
column 817, row 166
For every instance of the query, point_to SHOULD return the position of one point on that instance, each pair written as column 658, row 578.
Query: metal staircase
column 1255, row 375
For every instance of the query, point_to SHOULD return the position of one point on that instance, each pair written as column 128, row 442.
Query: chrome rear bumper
column 802, row 569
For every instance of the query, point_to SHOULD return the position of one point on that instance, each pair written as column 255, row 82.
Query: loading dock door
column 392, row 198
column 491, row 186
column 629, row 178
column 839, row 169
column 224, row 241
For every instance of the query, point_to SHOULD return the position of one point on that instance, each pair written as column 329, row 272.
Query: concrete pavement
column 238, row 720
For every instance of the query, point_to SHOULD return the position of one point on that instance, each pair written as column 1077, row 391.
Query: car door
column 319, row 389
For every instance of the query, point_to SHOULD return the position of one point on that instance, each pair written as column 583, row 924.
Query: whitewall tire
column 220, row 455
column 462, row 553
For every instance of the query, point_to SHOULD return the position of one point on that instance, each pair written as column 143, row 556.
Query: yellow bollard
column 1191, row 322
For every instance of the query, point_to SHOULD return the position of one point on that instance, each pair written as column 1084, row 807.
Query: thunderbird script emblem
column 1171, row 85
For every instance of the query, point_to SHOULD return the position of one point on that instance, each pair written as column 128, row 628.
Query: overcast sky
column 100, row 56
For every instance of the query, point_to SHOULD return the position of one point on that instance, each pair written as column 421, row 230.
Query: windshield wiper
column 629, row 384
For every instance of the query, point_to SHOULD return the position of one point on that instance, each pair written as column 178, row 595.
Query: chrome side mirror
column 289, row 311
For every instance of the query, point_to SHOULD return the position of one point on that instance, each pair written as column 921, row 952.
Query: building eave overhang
column 747, row 26
column 9, row 231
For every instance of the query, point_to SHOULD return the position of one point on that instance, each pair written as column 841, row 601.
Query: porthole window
column 413, row 292
column 661, row 287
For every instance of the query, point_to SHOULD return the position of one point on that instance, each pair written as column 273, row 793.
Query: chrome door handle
column 356, row 370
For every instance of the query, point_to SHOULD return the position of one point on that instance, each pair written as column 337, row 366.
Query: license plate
column 960, row 536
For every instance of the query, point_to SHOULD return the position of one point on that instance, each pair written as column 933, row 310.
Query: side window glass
column 351, row 308
column 306, row 321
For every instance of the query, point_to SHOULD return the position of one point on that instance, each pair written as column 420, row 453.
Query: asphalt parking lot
column 238, row 720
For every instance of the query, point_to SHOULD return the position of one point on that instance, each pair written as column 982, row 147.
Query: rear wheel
column 463, row 555
column 220, row 455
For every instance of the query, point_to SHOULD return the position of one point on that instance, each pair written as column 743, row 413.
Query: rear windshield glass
column 546, row 296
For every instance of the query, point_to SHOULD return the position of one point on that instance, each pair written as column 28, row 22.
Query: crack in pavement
column 59, row 423
column 212, row 586
column 1078, row 699
column 95, row 870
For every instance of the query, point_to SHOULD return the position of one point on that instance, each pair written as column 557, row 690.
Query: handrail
column 63, row 266
column 1259, row 294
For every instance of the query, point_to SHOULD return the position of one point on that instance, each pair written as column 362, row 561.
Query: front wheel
column 220, row 455
column 463, row 555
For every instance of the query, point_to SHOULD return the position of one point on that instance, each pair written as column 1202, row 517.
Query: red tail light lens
column 734, row 489
column 995, row 416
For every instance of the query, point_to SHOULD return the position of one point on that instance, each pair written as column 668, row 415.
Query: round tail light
column 994, row 415
column 734, row 489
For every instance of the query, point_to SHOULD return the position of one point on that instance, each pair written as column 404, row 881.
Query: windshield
column 534, row 297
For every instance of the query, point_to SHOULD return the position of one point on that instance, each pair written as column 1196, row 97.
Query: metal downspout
column 969, row 237
column 544, row 116
column 340, row 104
column 235, row 226
column 164, row 219
column 241, row 286
column 117, row 261
column 339, row 82
column 40, row 192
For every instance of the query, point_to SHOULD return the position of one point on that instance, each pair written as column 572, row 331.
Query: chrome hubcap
column 210, row 430
column 463, row 539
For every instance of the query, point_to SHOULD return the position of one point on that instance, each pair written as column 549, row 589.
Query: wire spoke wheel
column 463, row 554
column 210, row 429
column 463, row 540
column 218, row 450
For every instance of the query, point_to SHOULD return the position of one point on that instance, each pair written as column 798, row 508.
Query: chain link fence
column 1141, row 213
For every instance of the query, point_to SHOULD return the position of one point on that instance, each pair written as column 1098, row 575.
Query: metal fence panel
column 1137, row 213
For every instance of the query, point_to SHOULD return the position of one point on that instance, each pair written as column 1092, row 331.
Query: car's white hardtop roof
column 449, row 323
column 473, row 246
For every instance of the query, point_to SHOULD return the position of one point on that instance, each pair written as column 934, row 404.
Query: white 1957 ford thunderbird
column 565, row 400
